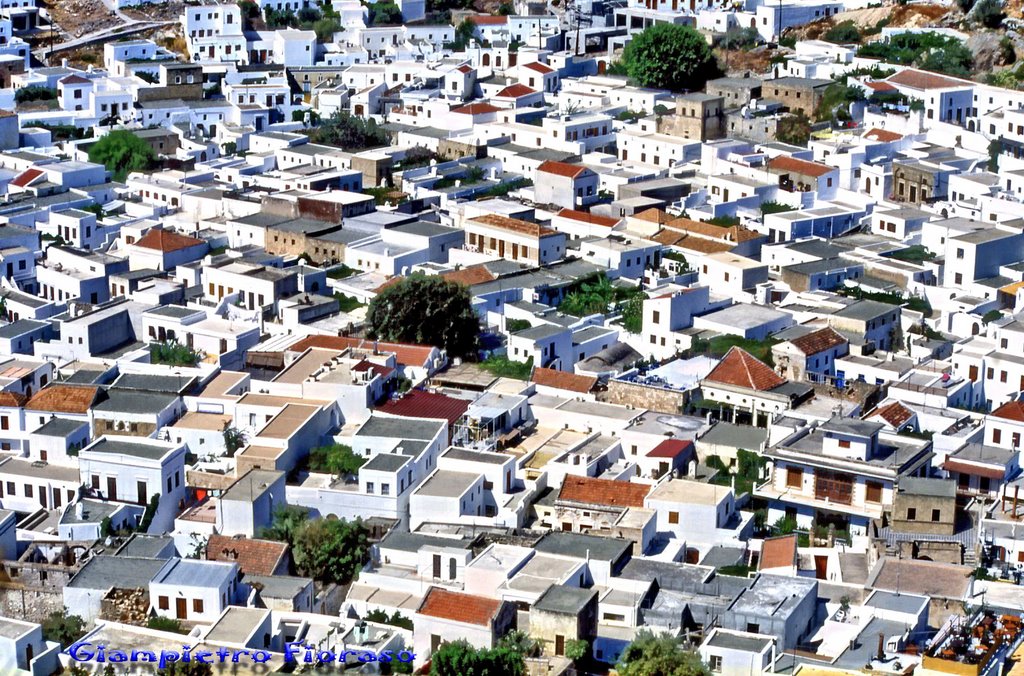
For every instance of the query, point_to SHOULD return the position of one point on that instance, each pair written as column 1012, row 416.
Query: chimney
column 79, row 511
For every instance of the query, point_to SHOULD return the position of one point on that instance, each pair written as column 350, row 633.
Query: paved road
column 123, row 30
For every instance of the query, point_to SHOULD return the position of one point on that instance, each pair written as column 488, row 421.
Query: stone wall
column 657, row 399
column 127, row 606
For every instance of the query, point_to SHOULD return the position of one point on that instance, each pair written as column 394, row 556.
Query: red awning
column 995, row 473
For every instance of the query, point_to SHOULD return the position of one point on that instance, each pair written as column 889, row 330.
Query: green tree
column 384, row 14
column 27, row 94
column 794, row 129
column 506, row 9
column 843, row 33
column 650, row 655
column 149, row 513
column 63, row 628
column 427, row 310
column 331, row 550
column 122, row 152
column 165, row 624
column 286, row 523
column 460, row 658
column 395, row 620
column 349, row 132
column 234, row 439
column 667, row 56
column 335, row 459
column 633, row 314
column 577, row 649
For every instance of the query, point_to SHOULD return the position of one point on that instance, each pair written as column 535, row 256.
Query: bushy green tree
column 668, row 56
column 122, row 152
column 650, row 655
column 843, row 33
column 349, row 132
column 385, row 13
column 460, row 658
column 331, row 550
column 928, row 51
column 286, row 523
column 426, row 310
column 63, row 628
column 335, row 459
column 741, row 38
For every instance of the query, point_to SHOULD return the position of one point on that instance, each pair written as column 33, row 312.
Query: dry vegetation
column 79, row 17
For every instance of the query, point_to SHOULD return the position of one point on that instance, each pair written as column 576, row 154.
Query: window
column 911, row 514
column 385, row 489
column 164, row 603
column 197, row 605
column 673, row 517
column 997, row 436
column 844, row 443
column 655, row 317
column 794, row 477
column 936, row 514
column 873, row 491
column 369, row 487
column 715, row 662
column 28, row 490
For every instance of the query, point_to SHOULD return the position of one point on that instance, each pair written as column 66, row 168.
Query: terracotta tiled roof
column 464, row 69
column 254, row 557
column 61, row 398
column 670, row 448
column 421, row 404
column 513, row 225
column 166, row 241
column 668, row 237
column 654, row 216
column 741, row 369
column 1012, row 410
column 539, row 67
column 733, row 233
column 802, row 167
column 377, row 369
column 27, row 177
column 413, row 355
column 74, row 79
column 475, row 274
column 818, row 341
column 778, row 552
column 515, row 91
column 563, row 380
column 606, row 492
column 476, row 109
column 894, row 413
column 488, row 20
column 701, row 245
column 12, row 399
column 919, row 79
column 593, row 219
column 881, row 86
column 459, row 607
column 391, row 281
column 882, row 135
column 561, row 169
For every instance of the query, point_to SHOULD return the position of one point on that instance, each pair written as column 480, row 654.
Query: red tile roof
column 27, row 177
column 488, row 20
column 593, row 219
column 778, row 552
column 513, row 225
column 61, row 398
column 539, row 67
column 475, row 274
column 166, row 241
column 515, row 91
column 254, row 557
column 894, row 413
column 12, row 399
column 802, row 167
column 1012, row 410
column 606, row 492
column 741, row 369
column 882, row 135
column 459, row 607
column 464, row 68
column 367, row 365
column 671, row 448
column 881, row 86
column 74, row 79
column 818, row 341
column 413, row 355
column 561, row 168
column 563, row 380
column 920, row 79
column 421, row 404
column 476, row 109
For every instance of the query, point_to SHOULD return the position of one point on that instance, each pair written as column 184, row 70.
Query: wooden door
column 559, row 644
column 111, row 488
column 820, row 566
column 181, row 609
